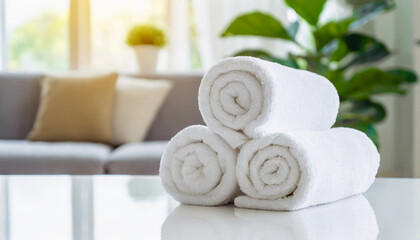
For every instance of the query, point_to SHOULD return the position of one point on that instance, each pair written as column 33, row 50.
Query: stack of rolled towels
column 268, row 143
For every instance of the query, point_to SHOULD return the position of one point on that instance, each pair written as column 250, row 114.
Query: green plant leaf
column 293, row 29
column 266, row 56
column 254, row 53
column 337, row 79
column 375, row 81
column 377, row 52
column 365, row 48
column 256, row 24
column 358, row 42
column 331, row 31
column 330, row 47
column 363, row 110
column 308, row 10
column 369, row 11
column 340, row 52
column 315, row 64
column 404, row 74
column 286, row 62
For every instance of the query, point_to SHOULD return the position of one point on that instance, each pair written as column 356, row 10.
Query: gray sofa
column 19, row 98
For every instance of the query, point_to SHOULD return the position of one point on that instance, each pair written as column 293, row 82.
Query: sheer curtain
column 212, row 17
column 179, row 33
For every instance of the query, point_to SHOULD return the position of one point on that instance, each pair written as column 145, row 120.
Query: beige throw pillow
column 137, row 101
column 75, row 108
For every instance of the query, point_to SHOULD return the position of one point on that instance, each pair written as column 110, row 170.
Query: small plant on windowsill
column 338, row 52
column 146, row 40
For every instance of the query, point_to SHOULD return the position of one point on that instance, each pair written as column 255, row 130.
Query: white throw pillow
column 137, row 101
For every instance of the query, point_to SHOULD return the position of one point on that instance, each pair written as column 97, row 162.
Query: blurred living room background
column 50, row 36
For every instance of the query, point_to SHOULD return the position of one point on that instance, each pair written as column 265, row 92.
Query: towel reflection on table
column 192, row 222
column 351, row 218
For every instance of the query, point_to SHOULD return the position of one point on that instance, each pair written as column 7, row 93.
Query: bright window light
column 37, row 34
column 110, row 22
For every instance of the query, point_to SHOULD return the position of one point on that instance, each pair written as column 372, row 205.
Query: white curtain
column 213, row 16
column 179, row 33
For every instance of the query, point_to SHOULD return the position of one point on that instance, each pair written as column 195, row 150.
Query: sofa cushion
column 25, row 157
column 180, row 109
column 136, row 158
column 19, row 98
column 136, row 103
column 75, row 107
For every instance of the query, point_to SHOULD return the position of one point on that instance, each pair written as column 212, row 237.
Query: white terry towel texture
column 198, row 168
column 349, row 219
column 289, row 171
column 246, row 97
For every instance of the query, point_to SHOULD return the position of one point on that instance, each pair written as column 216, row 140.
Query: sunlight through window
column 37, row 36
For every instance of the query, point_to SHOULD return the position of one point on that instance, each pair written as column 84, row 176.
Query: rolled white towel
column 198, row 168
column 245, row 97
column 289, row 171
column 349, row 219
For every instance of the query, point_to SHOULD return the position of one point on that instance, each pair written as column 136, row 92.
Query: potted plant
column 146, row 40
column 339, row 52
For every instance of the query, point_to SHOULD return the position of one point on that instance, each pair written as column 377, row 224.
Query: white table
column 125, row 207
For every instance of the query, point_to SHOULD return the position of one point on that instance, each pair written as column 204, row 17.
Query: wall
column 395, row 29
column 416, row 96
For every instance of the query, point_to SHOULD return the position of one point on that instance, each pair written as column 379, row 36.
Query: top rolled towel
column 246, row 97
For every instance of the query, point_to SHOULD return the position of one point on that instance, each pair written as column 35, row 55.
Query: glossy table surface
column 127, row 207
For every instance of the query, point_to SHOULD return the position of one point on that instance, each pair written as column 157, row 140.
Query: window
column 110, row 22
column 36, row 34
column 90, row 34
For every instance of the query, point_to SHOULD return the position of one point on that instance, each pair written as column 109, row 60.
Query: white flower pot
column 147, row 56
